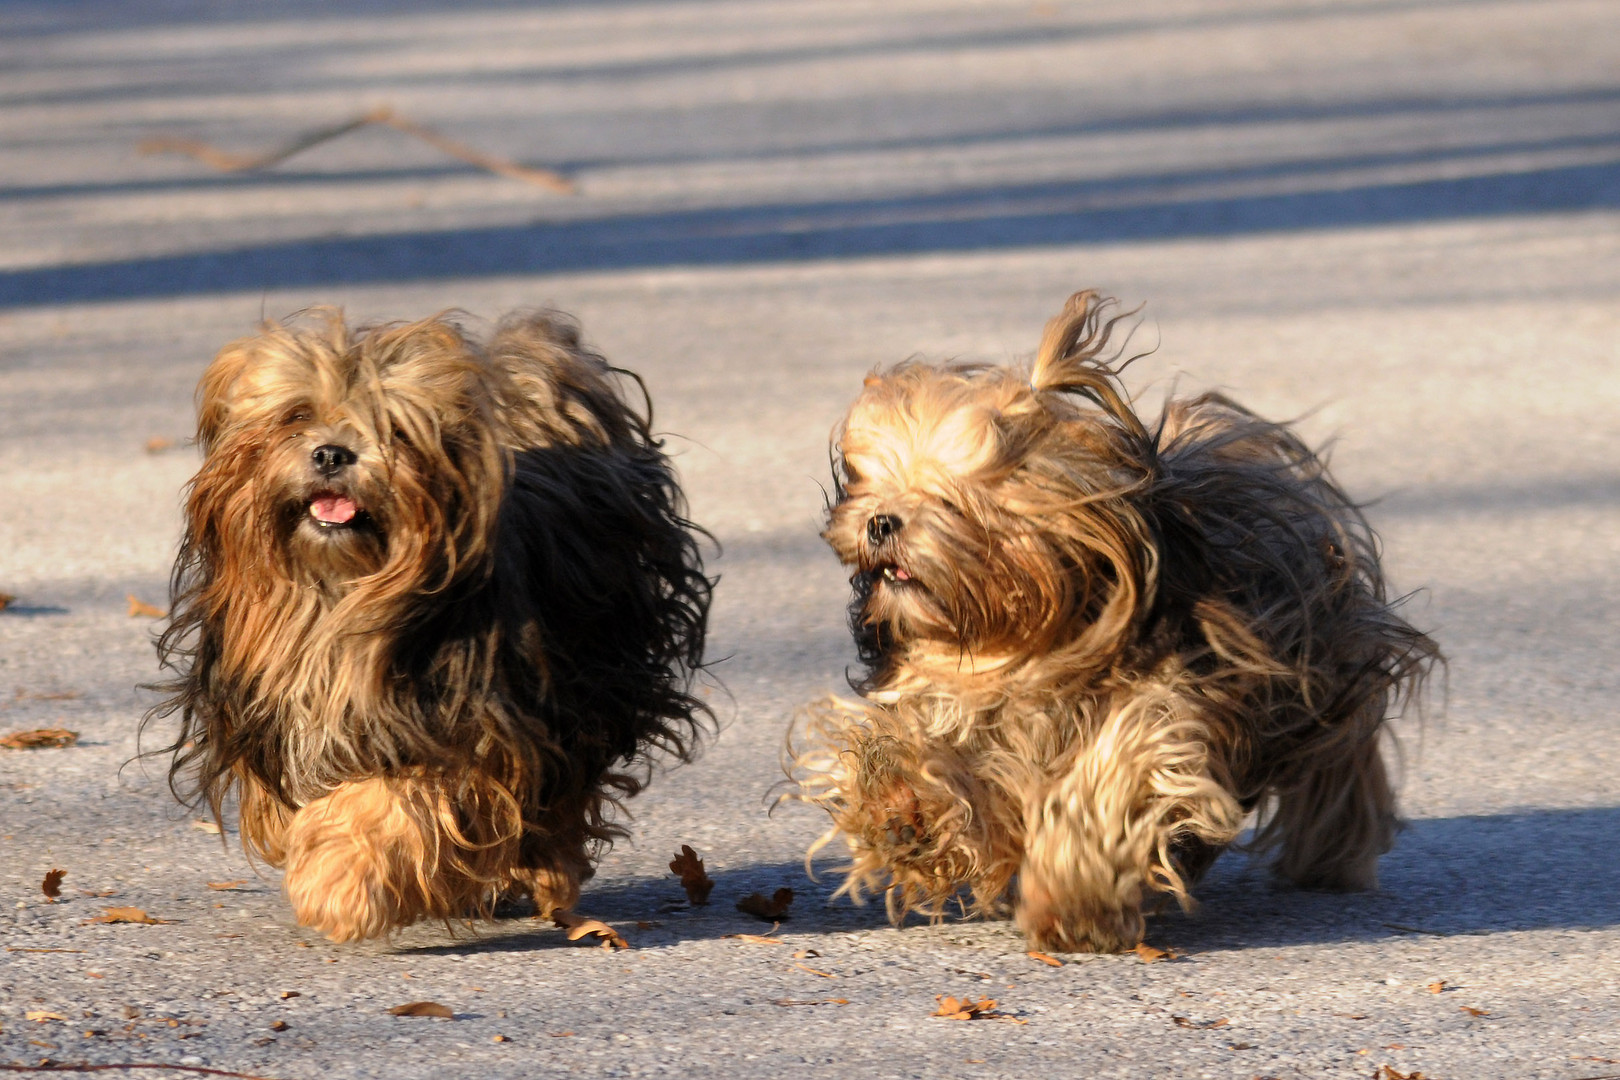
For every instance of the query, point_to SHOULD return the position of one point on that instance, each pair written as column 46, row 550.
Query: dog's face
column 941, row 518
column 344, row 457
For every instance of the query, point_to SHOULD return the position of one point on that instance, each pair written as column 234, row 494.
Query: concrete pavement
column 1396, row 220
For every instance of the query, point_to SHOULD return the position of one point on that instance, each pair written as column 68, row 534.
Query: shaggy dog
column 1093, row 645
column 435, row 607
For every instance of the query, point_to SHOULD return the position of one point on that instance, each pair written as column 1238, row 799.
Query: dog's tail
column 1078, row 355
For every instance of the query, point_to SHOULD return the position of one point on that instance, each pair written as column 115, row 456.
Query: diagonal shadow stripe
column 1011, row 217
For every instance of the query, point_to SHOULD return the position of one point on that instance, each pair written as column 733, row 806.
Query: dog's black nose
column 879, row 527
column 331, row 457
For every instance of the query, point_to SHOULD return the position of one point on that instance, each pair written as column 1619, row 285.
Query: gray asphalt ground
column 1396, row 220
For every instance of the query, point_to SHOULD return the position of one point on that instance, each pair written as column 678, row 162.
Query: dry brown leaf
column 961, row 1008
column 1201, row 1025
column 560, row 1034
column 1438, row 987
column 52, row 885
column 1471, row 1011
column 1385, row 1072
column 39, row 738
column 805, row 954
column 285, row 994
column 140, row 608
column 40, row 1016
column 226, row 886
column 578, row 926
column 1151, row 955
column 278, row 1025
column 422, row 1008
column 157, row 444
column 754, row 939
column 1050, row 961
column 813, row 971
column 965, row 1009
column 694, row 879
column 6, row 600
column 499, row 1038
column 771, row 908
column 98, row 893
column 206, row 826
column 127, row 915
column 818, row 1001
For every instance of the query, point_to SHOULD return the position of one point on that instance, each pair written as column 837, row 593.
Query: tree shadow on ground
column 1138, row 208
column 1447, row 877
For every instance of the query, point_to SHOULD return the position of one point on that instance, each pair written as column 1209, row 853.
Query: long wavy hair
column 1047, row 589
column 517, row 607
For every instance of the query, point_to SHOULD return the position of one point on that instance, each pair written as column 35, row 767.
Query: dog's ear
column 1075, row 355
column 216, row 390
column 254, row 369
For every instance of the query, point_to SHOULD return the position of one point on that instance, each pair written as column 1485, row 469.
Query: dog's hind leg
column 1335, row 819
column 1118, row 824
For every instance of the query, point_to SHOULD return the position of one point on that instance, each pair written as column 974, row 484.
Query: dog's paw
column 350, row 871
column 891, row 822
column 1070, row 924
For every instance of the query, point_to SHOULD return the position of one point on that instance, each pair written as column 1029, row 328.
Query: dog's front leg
column 1104, row 834
column 381, row 853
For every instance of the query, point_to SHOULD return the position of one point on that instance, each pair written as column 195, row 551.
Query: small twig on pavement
column 86, row 1067
column 385, row 116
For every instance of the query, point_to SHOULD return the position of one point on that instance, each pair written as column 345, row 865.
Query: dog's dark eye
column 401, row 438
column 298, row 416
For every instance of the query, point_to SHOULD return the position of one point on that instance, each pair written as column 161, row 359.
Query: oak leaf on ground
column 1151, row 955
column 423, row 1008
column 52, row 885
column 694, row 879
column 1050, row 961
column 6, row 600
column 951, row 1008
column 127, row 915
column 770, row 908
column 39, row 738
column 579, row 926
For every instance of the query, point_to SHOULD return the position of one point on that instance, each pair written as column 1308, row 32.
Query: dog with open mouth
column 1093, row 644
column 436, row 610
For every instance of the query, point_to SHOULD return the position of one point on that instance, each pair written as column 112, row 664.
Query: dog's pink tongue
column 333, row 509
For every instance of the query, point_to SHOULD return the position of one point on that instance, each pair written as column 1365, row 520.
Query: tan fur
column 446, row 696
column 1093, row 645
